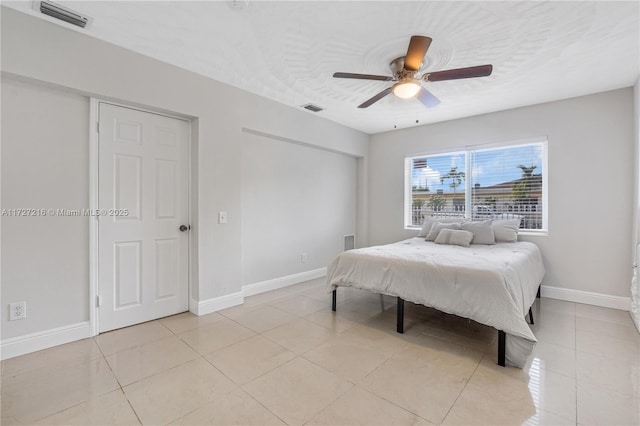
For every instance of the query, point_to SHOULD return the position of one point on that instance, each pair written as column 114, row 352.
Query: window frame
column 466, row 151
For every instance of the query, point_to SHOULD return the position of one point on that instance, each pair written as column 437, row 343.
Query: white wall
column 590, row 173
column 45, row 259
column 42, row 52
column 295, row 199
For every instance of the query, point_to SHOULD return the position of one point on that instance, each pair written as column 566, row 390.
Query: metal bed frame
column 502, row 336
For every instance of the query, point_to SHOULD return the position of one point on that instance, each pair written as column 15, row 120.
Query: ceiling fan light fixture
column 405, row 69
column 406, row 88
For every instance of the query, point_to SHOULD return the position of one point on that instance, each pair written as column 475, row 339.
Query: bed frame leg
column 333, row 300
column 538, row 294
column 530, row 316
column 400, row 322
column 501, row 347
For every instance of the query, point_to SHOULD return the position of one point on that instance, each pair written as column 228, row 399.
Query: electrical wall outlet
column 17, row 311
column 303, row 258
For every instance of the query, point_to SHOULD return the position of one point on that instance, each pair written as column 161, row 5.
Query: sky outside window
column 489, row 167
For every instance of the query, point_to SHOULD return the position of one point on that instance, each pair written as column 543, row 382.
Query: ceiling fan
column 405, row 73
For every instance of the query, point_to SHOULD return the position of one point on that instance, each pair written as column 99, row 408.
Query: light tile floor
column 284, row 358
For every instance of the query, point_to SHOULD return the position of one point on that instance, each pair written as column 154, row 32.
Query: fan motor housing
column 398, row 71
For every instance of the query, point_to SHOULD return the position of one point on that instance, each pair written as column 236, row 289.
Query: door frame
column 94, row 157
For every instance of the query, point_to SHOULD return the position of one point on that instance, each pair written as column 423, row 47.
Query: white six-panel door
column 143, row 196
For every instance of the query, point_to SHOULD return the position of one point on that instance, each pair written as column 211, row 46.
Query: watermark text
column 30, row 212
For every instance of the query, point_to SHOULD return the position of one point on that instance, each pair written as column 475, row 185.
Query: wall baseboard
column 586, row 297
column 217, row 303
column 276, row 283
column 33, row 342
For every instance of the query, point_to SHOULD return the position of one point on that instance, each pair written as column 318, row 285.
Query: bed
column 492, row 284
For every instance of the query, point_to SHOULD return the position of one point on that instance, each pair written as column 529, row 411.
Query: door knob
column 184, row 228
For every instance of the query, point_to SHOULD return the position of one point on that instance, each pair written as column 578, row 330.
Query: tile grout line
column 117, row 380
column 464, row 387
column 224, row 347
column 88, row 361
column 130, row 327
column 153, row 375
column 186, row 414
column 296, row 355
column 241, row 387
column 387, row 358
column 165, row 326
column 259, row 333
column 132, row 409
column 331, row 402
column 200, row 356
column 262, row 405
column 60, row 411
column 266, row 372
column 389, row 401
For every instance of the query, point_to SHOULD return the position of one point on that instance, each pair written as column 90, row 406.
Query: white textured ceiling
column 288, row 51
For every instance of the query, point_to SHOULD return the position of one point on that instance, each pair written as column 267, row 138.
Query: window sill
column 544, row 233
column 541, row 233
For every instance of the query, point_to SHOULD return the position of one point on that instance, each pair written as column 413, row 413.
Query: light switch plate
column 222, row 217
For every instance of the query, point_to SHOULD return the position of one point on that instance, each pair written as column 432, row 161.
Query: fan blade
column 427, row 98
column 458, row 73
column 362, row 76
column 418, row 47
column 375, row 99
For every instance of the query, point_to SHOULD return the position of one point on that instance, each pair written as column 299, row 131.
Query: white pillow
column 506, row 231
column 429, row 221
column 454, row 237
column 482, row 232
column 437, row 227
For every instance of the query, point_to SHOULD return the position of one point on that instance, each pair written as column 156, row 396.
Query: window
column 503, row 182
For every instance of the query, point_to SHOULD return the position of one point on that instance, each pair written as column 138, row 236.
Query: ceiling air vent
column 312, row 107
column 63, row 13
column 238, row 4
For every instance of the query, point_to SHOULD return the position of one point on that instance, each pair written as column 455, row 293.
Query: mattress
column 491, row 284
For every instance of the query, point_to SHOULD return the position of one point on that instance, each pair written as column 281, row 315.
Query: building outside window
column 507, row 181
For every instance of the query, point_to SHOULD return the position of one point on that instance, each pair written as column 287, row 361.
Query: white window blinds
column 507, row 182
column 438, row 186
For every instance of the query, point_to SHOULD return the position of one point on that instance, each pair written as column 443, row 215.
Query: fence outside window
column 529, row 214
